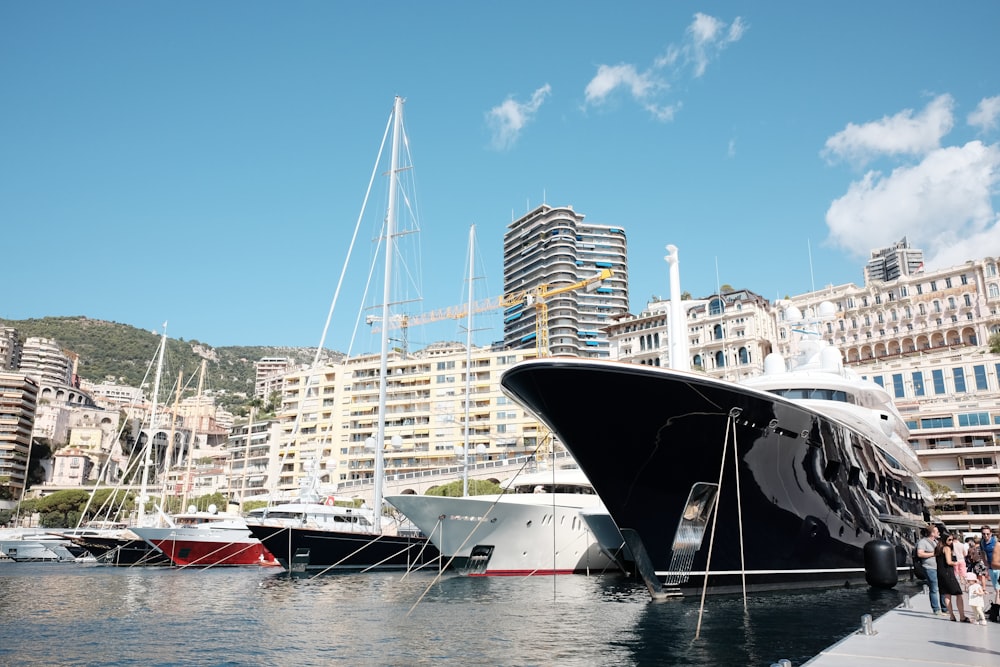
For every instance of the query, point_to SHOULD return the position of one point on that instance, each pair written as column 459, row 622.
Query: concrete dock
column 911, row 635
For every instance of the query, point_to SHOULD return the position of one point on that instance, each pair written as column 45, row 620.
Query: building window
column 979, row 372
column 974, row 419
column 897, row 385
column 937, row 422
column 959, row 375
column 918, row 383
column 938, row 379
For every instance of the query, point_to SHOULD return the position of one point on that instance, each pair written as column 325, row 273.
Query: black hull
column 812, row 491
column 322, row 550
column 121, row 551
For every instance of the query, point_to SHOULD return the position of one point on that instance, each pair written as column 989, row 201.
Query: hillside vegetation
column 125, row 354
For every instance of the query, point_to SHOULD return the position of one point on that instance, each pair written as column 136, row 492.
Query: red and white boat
column 204, row 539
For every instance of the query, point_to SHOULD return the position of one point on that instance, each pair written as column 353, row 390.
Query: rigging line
column 364, row 545
column 478, row 523
column 417, row 565
column 368, row 569
column 552, row 466
column 739, row 507
column 350, row 249
column 715, row 517
column 364, row 295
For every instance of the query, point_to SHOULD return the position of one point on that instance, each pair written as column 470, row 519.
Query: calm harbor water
column 75, row 614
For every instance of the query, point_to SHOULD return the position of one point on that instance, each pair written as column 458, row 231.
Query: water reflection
column 78, row 615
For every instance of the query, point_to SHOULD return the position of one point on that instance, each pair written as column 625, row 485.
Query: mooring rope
column 715, row 516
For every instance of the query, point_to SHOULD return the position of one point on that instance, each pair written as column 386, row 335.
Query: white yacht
column 535, row 527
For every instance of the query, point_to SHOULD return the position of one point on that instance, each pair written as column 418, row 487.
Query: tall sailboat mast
column 152, row 426
column 390, row 232
column 468, row 358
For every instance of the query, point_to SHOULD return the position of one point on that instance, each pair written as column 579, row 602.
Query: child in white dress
column 976, row 598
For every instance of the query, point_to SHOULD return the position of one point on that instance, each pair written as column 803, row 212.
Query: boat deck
column 912, row 636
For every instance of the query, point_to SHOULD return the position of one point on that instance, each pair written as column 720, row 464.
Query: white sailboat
column 122, row 546
column 302, row 537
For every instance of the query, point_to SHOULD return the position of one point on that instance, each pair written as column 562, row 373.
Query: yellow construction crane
column 536, row 297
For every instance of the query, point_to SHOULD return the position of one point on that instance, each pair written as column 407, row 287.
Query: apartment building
column 329, row 416
column 18, row 401
column 269, row 373
column 951, row 403
column 250, row 463
column 554, row 247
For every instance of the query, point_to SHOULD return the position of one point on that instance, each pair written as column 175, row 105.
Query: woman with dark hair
column 947, row 581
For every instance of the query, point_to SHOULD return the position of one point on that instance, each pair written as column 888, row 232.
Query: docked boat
column 310, row 536
column 120, row 547
column 204, row 539
column 33, row 546
column 780, row 480
column 534, row 528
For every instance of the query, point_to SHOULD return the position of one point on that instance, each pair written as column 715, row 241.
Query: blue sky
column 205, row 163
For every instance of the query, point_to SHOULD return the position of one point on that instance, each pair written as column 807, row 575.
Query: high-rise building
column 44, row 360
column 10, row 349
column 556, row 248
column 893, row 262
column 18, row 400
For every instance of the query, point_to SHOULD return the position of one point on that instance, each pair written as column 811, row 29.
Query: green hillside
column 125, row 354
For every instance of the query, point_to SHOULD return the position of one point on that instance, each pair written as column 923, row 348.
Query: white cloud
column 704, row 40
column 943, row 205
column 986, row 115
column 902, row 134
column 709, row 37
column 508, row 119
column 611, row 77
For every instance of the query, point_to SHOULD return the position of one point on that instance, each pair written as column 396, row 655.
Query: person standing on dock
column 947, row 581
column 961, row 554
column 976, row 599
column 925, row 552
column 988, row 545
